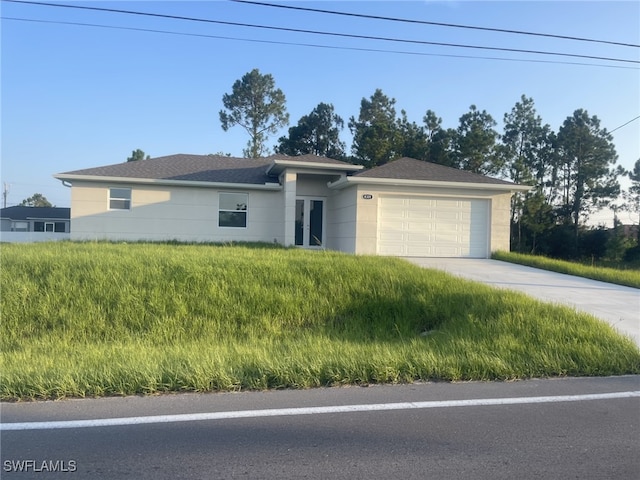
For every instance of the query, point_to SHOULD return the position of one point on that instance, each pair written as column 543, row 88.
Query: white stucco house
column 403, row 208
column 34, row 224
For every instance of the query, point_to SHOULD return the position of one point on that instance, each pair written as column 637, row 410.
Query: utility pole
column 5, row 192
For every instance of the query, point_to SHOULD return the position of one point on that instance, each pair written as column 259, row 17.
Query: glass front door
column 309, row 222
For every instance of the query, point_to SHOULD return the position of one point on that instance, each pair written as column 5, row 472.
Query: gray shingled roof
column 213, row 168
column 411, row 169
column 199, row 168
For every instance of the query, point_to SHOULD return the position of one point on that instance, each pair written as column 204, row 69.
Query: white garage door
column 433, row 227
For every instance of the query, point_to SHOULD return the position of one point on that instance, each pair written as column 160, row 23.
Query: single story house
column 404, row 208
column 35, row 219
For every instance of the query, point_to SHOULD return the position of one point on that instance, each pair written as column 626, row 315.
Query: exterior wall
column 339, row 228
column 191, row 213
column 5, row 225
column 367, row 212
column 288, row 180
column 172, row 213
column 313, row 186
column 500, row 223
column 67, row 224
column 341, row 220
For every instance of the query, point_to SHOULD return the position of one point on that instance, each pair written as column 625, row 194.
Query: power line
column 312, row 45
column 625, row 124
column 345, row 35
column 439, row 24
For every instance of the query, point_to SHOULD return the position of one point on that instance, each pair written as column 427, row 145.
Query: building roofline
column 278, row 166
column 161, row 181
column 345, row 182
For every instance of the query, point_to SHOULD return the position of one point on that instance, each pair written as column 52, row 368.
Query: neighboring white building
column 404, row 208
column 34, row 224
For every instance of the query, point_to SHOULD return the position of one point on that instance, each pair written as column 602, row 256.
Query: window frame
column 245, row 211
column 19, row 226
column 112, row 198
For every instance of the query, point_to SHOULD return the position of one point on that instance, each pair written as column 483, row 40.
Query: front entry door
column 309, row 222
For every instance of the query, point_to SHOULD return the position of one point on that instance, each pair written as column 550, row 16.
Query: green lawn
column 89, row 319
column 627, row 277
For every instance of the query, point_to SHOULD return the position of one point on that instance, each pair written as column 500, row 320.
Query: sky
column 79, row 96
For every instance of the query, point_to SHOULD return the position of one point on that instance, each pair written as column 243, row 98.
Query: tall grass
column 626, row 277
column 84, row 319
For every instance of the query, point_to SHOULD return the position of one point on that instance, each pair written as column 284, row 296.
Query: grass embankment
column 629, row 278
column 82, row 319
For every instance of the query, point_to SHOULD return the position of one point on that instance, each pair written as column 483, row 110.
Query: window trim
column 19, row 226
column 245, row 211
column 124, row 199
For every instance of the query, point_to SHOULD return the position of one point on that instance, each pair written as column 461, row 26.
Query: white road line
column 194, row 417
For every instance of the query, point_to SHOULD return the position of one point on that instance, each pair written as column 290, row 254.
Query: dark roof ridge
column 407, row 168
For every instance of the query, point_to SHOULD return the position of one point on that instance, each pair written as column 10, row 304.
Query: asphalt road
column 437, row 431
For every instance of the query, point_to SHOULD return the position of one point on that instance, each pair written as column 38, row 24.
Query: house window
column 20, row 227
column 119, row 199
column 48, row 227
column 43, row 226
column 232, row 211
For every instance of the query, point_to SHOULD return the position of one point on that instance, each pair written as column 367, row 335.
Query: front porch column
column 289, row 184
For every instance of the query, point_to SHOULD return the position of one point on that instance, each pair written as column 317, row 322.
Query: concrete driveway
column 615, row 304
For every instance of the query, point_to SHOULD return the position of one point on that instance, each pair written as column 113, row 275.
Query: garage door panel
column 447, row 216
column 418, row 226
column 386, row 225
column 446, row 203
column 432, row 227
column 396, row 237
column 448, row 251
column 396, row 250
column 419, row 238
column 391, row 202
column 448, row 238
column 420, row 216
column 446, row 228
column 419, row 251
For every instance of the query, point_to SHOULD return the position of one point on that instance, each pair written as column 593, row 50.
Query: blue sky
column 78, row 96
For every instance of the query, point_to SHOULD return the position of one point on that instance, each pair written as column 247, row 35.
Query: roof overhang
column 166, row 182
column 279, row 166
column 44, row 219
column 345, row 182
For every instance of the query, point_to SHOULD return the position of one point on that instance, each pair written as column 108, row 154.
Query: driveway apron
column 615, row 304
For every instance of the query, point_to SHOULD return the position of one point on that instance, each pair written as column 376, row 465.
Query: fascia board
column 153, row 181
column 317, row 171
column 346, row 181
column 279, row 165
